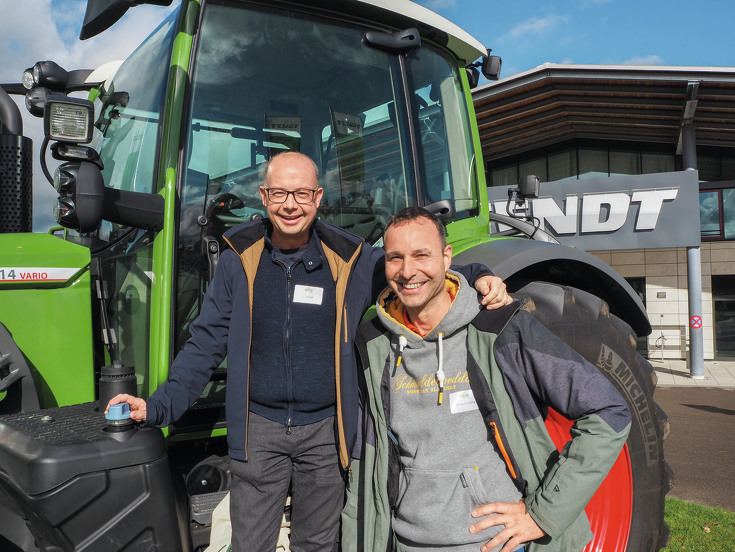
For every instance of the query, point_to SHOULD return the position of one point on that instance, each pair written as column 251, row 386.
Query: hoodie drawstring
column 440, row 371
column 440, row 377
column 402, row 342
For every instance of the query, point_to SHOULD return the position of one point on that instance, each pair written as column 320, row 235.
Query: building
column 563, row 122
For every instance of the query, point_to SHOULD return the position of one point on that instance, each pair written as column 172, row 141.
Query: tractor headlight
column 27, row 79
column 81, row 190
column 69, row 119
column 50, row 75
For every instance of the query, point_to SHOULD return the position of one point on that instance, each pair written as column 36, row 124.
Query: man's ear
column 447, row 257
column 263, row 196
column 318, row 197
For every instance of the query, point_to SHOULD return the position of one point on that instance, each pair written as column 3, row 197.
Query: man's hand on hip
column 519, row 525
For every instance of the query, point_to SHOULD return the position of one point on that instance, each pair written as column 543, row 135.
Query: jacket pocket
column 434, row 507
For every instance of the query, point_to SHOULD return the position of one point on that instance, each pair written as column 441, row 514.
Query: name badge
column 307, row 294
column 462, row 401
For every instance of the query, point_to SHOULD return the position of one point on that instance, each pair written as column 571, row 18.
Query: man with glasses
column 284, row 305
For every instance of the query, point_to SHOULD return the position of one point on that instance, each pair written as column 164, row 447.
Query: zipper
column 503, row 450
column 287, row 344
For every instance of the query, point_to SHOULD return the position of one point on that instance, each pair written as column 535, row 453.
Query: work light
column 50, row 75
column 68, row 119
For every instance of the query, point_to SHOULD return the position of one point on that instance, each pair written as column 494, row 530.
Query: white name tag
column 462, row 401
column 308, row 294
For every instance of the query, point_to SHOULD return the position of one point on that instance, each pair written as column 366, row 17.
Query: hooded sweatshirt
column 449, row 465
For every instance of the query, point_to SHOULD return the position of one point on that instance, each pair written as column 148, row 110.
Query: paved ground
column 676, row 373
column 701, row 445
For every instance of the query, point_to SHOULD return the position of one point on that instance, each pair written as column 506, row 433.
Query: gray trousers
column 306, row 461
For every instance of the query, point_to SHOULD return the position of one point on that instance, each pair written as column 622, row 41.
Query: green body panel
column 45, row 303
column 164, row 245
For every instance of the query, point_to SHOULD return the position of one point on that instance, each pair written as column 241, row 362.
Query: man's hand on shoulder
column 519, row 527
column 493, row 290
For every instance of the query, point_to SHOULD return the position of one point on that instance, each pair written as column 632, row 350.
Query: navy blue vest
column 292, row 373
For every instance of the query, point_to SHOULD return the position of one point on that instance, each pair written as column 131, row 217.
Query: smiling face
column 291, row 220
column 416, row 261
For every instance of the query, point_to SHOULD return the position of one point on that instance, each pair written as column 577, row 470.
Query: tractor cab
column 381, row 110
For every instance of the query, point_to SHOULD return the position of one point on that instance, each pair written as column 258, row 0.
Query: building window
column 710, row 221
column 580, row 163
column 717, row 210
column 723, row 295
column 593, row 163
column 638, row 283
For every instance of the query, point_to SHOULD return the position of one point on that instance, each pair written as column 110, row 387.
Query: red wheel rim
column 611, row 508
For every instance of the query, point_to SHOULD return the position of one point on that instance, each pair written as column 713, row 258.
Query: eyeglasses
column 302, row 195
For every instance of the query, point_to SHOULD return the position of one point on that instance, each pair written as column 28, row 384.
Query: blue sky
column 525, row 33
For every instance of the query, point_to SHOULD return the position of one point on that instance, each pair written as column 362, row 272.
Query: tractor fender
column 519, row 261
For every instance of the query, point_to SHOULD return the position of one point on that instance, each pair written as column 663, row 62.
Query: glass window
column 506, row 176
column 638, row 283
column 652, row 162
column 360, row 113
column 728, row 213
column 709, row 168
column 723, row 295
column 563, row 165
column 129, row 114
column 534, row 167
column 709, row 214
column 593, row 163
column 448, row 162
column 728, row 167
column 128, row 123
column 624, row 162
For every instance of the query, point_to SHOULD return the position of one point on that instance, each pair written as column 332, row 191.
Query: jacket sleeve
column 472, row 272
column 203, row 352
column 558, row 377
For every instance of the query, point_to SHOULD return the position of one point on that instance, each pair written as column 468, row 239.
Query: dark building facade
column 571, row 122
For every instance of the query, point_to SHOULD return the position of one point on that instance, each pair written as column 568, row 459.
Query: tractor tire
column 627, row 512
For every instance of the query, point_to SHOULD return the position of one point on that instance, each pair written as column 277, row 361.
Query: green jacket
column 517, row 370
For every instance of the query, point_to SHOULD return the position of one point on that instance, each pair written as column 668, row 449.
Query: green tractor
column 164, row 156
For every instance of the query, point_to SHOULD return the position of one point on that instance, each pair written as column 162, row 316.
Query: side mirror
column 528, row 186
column 473, row 76
column 81, row 190
column 491, row 67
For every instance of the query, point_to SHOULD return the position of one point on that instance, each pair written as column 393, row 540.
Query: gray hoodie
column 449, row 464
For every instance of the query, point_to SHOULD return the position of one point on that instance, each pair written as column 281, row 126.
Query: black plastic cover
column 83, row 487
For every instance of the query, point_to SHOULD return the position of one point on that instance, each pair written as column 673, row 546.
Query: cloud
column 650, row 59
column 36, row 30
column 533, row 27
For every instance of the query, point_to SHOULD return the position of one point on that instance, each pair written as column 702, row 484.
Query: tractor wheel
column 627, row 512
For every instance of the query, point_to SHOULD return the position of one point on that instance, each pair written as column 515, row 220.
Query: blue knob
column 120, row 411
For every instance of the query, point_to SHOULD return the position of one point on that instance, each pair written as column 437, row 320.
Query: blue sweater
column 292, row 358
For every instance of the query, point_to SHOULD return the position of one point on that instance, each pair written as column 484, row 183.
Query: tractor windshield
column 386, row 130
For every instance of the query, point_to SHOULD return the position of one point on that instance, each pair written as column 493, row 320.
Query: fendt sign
column 622, row 212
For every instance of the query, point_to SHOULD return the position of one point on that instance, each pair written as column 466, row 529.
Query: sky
column 524, row 33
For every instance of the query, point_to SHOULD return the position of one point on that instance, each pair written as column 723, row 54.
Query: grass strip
column 696, row 528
